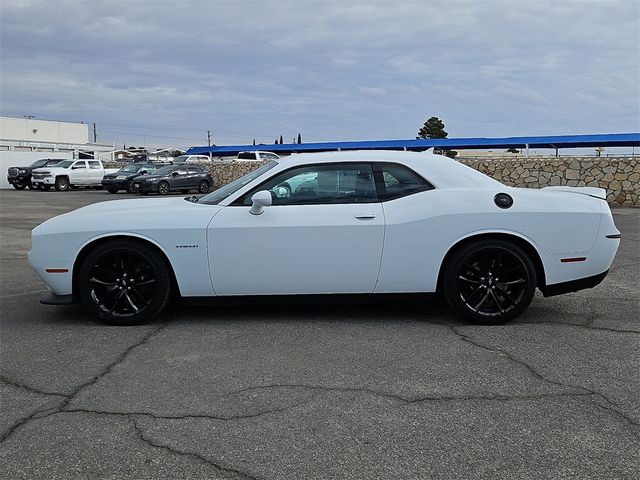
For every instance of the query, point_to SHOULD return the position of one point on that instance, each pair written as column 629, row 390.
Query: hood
column 131, row 215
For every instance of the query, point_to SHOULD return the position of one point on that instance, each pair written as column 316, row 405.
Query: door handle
column 365, row 216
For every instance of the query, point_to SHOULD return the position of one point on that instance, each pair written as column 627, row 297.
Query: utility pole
column 209, row 137
column 95, row 134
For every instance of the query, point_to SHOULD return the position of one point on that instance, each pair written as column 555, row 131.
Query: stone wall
column 619, row 176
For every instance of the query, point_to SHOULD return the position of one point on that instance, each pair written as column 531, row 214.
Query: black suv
column 121, row 180
column 174, row 177
column 20, row 177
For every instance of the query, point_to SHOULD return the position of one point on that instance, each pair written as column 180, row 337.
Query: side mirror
column 259, row 200
column 143, row 172
column 174, row 174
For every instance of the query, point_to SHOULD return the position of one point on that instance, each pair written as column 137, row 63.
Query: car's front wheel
column 125, row 282
column 490, row 281
column 62, row 184
column 163, row 188
column 203, row 187
column 19, row 186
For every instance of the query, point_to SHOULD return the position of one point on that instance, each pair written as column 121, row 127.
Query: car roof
column 441, row 171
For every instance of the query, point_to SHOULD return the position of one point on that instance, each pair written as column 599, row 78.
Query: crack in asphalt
column 585, row 326
column 141, row 435
column 15, row 383
column 612, row 408
column 67, row 398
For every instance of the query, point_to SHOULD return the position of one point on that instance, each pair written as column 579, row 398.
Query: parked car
column 256, row 156
column 122, row 179
column 69, row 174
column 445, row 228
column 20, row 177
column 191, row 159
column 183, row 178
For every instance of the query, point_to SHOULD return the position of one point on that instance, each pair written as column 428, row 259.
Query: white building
column 24, row 140
column 32, row 135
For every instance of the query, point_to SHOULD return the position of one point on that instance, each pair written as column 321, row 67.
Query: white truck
column 256, row 156
column 70, row 173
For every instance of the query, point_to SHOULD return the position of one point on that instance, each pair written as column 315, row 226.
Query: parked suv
column 122, row 179
column 20, row 177
column 174, row 177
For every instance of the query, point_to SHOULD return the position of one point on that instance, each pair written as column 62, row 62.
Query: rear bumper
column 573, row 285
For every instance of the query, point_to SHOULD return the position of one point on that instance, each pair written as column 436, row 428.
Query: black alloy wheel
column 203, row 187
column 130, row 187
column 31, row 186
column 163, row 188
column 62, row 184
column 490, row 281
column 125, row 282
column 19, row 186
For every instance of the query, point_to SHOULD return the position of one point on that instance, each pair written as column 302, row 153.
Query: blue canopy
column 554, row 141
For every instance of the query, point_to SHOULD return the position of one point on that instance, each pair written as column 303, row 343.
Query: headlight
column 22, row 170
column 121, row 177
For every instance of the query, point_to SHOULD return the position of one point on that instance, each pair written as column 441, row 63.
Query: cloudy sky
column 165, row 71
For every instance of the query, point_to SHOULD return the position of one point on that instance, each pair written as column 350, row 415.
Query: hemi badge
column 56, row 270
column 574, row 259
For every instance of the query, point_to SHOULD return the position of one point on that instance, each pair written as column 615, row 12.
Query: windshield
column 220, row 194
column 64, row 164
column 39, row 163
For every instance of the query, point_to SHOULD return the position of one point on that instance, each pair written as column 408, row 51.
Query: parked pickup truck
column 70, row 173
column 256, row 156
column 20, row 177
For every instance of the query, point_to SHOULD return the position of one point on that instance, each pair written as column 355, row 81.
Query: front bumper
column 19, row 180
column 43, row 181
column 115, row 183
column 144, row 187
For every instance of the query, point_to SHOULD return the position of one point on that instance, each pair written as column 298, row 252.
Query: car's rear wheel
column 203, row 187
column 163, row 188
column 125, row 282
column 62, row 184
column 490, row 281
column 19, row 186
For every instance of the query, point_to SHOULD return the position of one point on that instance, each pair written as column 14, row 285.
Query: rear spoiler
column 595, row 192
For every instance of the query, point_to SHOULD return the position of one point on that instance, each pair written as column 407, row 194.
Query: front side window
column 79, row 165
column 395, row 181
column 319, row 184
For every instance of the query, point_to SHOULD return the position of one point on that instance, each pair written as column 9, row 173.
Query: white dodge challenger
column 333, row 223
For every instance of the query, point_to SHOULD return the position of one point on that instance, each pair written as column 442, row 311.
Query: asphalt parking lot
column 316, row 390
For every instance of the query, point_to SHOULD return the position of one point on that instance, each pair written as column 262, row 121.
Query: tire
column 164, row 188
column 19, row 186
column 124, row 282
column 203, row 187
column 45, row 188
column 112, row 190
column 62, row 184
column 130, row 187
column 489, row 281
column 31, row 186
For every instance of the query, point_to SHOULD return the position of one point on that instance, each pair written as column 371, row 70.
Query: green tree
column 432, row 128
